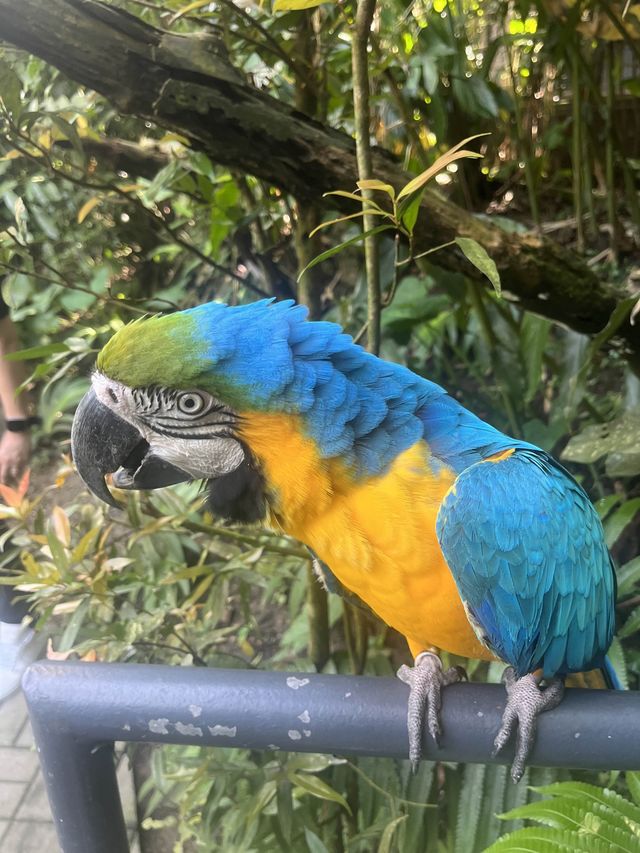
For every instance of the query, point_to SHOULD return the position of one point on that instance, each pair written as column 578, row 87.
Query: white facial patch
column 190, row 429
column 203, row 459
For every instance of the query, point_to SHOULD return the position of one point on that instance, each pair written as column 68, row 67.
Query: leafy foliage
column 104, row 217
column 578, row 817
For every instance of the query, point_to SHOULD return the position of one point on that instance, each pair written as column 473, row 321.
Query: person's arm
column 15, row 446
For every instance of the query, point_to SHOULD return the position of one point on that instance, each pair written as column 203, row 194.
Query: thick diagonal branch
column 184, row 83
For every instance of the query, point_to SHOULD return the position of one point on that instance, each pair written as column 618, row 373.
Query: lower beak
column 103, row 443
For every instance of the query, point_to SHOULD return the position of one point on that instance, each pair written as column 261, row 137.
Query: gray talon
column 425, row 681
column 525, row 701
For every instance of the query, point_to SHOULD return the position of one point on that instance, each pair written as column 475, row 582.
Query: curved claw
column 525, row 702
column 426, row 680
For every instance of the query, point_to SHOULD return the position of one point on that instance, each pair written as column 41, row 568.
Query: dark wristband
column 22, row 424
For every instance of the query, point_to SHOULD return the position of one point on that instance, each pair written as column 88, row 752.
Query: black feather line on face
column 241, row 495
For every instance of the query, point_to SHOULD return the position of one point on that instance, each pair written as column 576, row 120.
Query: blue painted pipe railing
column 78, row 710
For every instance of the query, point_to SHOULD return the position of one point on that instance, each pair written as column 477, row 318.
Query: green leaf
column 469, row 804
column 315, row 786
column 543, row 840
column 430, row 74
column 618, row 440
column 10, row 89
column 354, row 197
column 618, row 661
column 409, row 212
column 60, row 557
column 20, row 215
column 69, row 132
column 285, row 808
column 632, row 85
column 311, row 762
column 323, row 256
column 413, row 306
column 16, row 289
column 515, row 795
column 160, row 185
column 489, row 824
column 478, row 256
column 46, row 222
column 73, row 625
column 36, row 352
column 615, row 524
column 618, row 316
column 387, row 835
column 605, row 796
column 605, row 505
column 262, row 799
column 201, row 164
column 633, row 783
column 559, row 813
column 83, row 546
column 201, row 589
column 632, row 625
column 188, row 574
column 313, row 842
column 534, row 334
column 475, row 96
column 347, row 218
column 628, row 576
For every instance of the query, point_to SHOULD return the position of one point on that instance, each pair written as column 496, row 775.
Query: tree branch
column 179, row 82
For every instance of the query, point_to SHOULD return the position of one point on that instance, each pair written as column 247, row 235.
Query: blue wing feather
column 527, row 551
column 315, row 370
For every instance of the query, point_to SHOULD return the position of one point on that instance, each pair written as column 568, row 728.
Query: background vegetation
column 106, row 214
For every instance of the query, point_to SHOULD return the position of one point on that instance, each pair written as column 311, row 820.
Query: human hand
column 15, row 452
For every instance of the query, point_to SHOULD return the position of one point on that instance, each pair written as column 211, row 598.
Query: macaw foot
column 524, row 703
column 426, row 680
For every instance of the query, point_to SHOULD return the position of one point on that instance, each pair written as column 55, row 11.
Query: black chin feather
column 239, row 496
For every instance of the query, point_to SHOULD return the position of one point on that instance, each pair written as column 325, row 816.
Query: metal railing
column 79, row 710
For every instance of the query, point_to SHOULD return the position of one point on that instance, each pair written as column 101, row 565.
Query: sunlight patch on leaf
column 477, row 255
column 87, row 207
column 618, row 440
column 441, row 163
column 295, row 5
column 186, row 10
column 375, row 184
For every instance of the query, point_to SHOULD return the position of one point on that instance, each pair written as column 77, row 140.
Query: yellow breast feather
column 378, row 536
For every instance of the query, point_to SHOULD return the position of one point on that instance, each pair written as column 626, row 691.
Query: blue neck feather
column 353, row 405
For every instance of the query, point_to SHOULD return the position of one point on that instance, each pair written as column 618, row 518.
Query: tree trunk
column 183, row 82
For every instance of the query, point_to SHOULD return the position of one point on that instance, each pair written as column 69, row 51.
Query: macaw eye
column 190, row 403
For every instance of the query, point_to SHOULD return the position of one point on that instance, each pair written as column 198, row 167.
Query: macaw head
column 169, row 392
column 180, row 397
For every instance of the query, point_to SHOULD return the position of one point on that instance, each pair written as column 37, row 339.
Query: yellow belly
column 378, row 537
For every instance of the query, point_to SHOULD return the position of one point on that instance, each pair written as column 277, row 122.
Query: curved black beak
column 102, row 443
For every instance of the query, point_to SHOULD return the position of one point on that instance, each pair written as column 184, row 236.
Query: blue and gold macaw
column 460, row 537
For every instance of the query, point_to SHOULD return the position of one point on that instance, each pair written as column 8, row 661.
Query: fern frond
column 546, row 840
column 582, row 791
column 579, row 817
